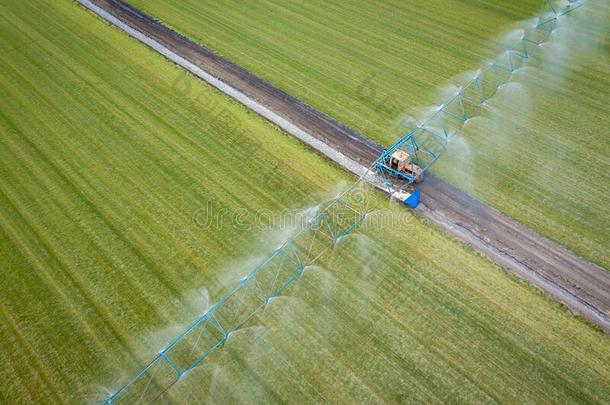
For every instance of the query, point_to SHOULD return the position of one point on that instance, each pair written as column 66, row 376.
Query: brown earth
column 577, row 283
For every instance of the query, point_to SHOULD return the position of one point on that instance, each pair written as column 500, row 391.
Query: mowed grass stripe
column 338, row 340
column 44, row 316
column 82, row 184
column 120, row 210
column 39, row 158
column 153, row 126
column 456, row 331
column 460, row 280
column 118, row 159
column 373, row 64
column 68, row 262
column 96, row 305
column 36, row 375
column 453, row 355
column 398, row 355
column 478, row 318
column 323, row 51
column 399, row 323
column 544, row 141
column 102, row 169
column 58, row 288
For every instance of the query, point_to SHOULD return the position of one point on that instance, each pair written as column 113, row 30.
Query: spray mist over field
column 539, row 149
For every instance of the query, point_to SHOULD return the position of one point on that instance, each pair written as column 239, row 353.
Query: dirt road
column 582, row 286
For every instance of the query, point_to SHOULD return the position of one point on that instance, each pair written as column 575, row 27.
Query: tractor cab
column 401, row 161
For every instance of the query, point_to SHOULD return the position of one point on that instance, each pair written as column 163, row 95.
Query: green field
column 399, row 319
column 364, row 62
column 104, row 166
column 544, row 138
column 540, row 157
column 108, row 155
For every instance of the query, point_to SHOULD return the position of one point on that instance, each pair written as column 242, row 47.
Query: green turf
column 399, row 319
column 365, row 62
column 371, row 64
column 105, row 167
column 107, row 152
column 544, row 139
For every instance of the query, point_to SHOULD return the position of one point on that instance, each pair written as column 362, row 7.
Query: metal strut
column 428, row 141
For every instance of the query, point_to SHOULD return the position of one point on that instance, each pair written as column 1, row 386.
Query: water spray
column 338, row 218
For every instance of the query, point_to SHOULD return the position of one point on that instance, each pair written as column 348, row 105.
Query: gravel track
column 573, row 281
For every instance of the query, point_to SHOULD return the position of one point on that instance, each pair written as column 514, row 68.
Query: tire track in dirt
column 573, row 281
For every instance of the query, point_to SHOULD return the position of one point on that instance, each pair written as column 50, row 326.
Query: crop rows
column 132, row 196
column 539, row 155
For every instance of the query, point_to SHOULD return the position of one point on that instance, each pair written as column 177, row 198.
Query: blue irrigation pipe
column 378, row 167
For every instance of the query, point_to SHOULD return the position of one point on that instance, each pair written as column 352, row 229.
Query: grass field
column 399, row 319
column 104, row 166
column 544, row 139
column 108, row 154
column 364, row 62
column 372, row 63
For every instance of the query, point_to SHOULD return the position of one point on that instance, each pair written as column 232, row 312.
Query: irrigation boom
column 401, row 165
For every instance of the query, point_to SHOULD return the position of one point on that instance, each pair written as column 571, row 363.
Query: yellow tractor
column 401, row 161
